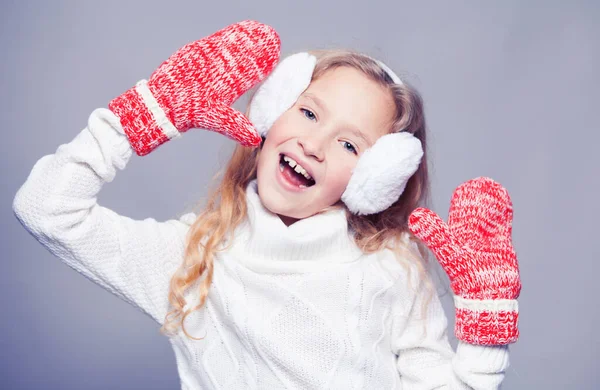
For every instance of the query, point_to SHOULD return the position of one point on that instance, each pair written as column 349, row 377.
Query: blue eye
column 352, row 148
column 308, row 114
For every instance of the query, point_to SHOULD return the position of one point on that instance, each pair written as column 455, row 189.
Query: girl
column 306, row 268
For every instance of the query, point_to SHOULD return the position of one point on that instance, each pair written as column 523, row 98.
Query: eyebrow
column 351, row 128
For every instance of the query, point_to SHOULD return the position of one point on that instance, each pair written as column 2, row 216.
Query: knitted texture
column 195, row 87
column 475, row 250
column 298, row 307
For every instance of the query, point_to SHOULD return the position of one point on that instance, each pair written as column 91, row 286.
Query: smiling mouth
column 297, row 175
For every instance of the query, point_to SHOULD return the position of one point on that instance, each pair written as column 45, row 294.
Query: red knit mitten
column 195, row 87
column 475, row 249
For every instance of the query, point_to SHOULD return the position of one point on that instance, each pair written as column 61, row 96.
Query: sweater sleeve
column 133, row 259
column 425, row 358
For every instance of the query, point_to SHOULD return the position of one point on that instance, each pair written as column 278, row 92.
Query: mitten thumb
column 435, row 233
column 231, row 123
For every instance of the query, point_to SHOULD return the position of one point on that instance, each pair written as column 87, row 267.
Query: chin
column 276, row 204
column 276, row 207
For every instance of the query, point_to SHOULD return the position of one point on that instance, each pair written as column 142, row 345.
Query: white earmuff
column 280, row 90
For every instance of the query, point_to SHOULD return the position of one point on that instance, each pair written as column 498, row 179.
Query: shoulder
column 400, row 256
column 187, row 219
column 404, row 262
column 181, row 224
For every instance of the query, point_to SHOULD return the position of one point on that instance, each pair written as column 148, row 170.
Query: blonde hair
column 226, row 205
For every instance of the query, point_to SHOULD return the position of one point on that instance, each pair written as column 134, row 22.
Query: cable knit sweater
column 290, row 307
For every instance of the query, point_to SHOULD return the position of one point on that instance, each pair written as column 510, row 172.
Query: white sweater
column 290, row 307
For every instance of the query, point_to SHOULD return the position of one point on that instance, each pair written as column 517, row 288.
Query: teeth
column 296, row 167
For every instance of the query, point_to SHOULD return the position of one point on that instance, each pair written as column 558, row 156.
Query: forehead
column 351, row 96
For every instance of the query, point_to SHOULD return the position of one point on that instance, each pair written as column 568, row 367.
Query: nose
column 313, row 145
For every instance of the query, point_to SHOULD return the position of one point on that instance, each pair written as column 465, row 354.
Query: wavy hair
column 226, row 208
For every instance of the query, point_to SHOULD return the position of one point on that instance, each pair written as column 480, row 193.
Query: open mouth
column 294, row 173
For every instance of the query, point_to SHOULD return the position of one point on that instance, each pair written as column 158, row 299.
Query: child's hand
column 195, row 87
column 475, row 249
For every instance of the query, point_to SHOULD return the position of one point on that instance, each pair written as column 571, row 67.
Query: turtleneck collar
column 264, row 241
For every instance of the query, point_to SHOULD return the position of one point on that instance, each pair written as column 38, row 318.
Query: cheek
column 284, row 125
column 276, row 136
column 339, row 176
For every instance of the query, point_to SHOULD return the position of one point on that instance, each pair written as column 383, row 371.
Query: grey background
column 510, row 90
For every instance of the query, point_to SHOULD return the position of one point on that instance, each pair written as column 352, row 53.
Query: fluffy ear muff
column 280, row 90
column 381, row 174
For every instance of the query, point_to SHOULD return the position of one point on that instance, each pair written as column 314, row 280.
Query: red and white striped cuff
column 486, row 322
column 144, row 121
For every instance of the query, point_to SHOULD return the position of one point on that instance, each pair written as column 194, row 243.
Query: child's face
column 322, row 133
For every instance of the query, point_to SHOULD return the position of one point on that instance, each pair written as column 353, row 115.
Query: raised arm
column 193, row 88
column 57, row 205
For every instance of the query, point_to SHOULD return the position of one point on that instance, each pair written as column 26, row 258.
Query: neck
column 287, row 220
column 278, row 242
